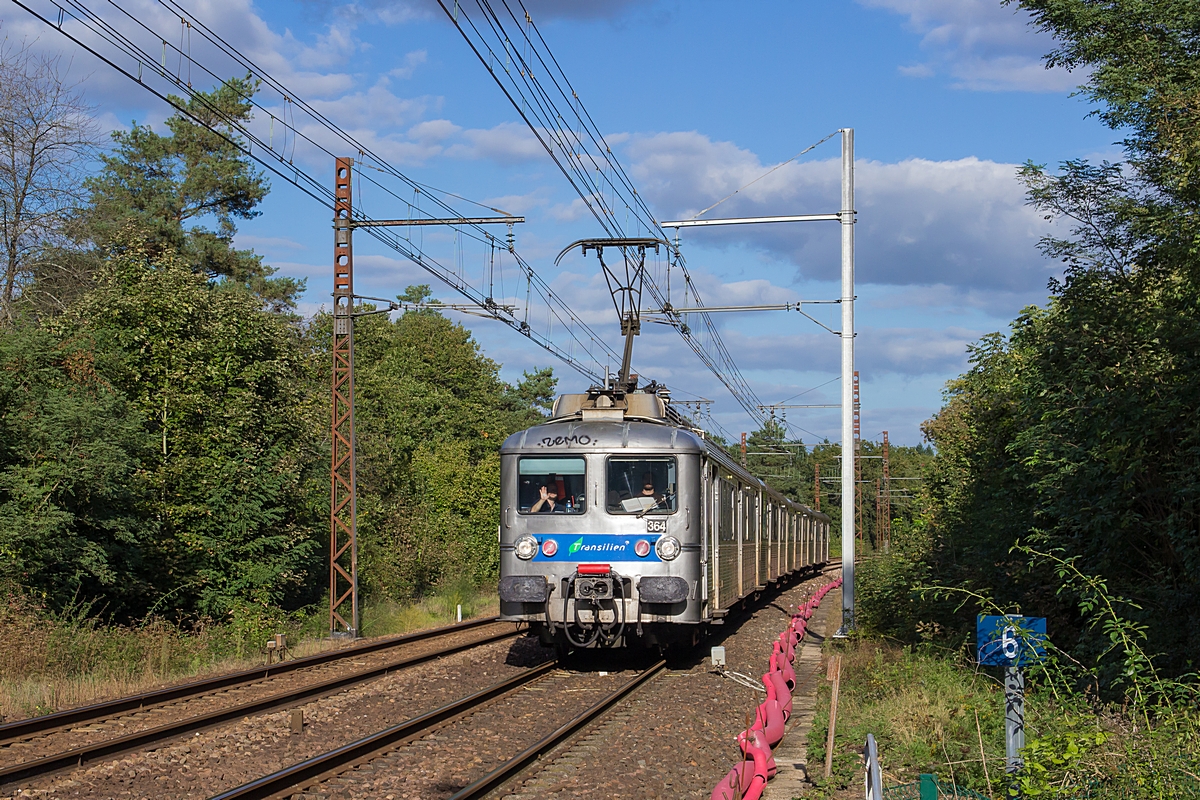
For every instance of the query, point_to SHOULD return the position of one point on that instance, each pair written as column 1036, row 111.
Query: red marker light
column 642, row 548
column 549, row 548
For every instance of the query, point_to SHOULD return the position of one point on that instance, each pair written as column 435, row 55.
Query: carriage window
column 641, row 486
column 551, row 485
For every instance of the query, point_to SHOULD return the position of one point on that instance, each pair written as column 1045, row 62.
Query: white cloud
column 268, row 242
column 376, row 108
column 397, row 12
column 944, row 299
column 433, row 131
column 961, row 223
column 507, row 143
column 980, row 44
column 411, row 61
column 300, row 65
column 917, row 71
column 877, row 351
column 329, row 49
column 519, row 203
column 570, row 212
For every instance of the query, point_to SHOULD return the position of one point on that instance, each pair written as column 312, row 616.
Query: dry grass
column 49, row 662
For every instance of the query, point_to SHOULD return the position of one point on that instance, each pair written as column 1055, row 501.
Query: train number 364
column 656, row 526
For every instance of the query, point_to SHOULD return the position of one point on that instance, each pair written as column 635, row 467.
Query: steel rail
column 73, row 716
column 307, row 771
column 81, row 755
column 515, row 765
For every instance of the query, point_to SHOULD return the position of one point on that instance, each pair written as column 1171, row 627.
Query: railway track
column 150, row 728
column 483, row 723
column 43, row 745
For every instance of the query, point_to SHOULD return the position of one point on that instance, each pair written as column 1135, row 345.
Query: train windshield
column 551, row 485
column 641, row 485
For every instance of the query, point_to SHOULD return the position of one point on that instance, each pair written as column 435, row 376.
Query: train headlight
column 667, row 548
column 549, row 548
column 526, row 547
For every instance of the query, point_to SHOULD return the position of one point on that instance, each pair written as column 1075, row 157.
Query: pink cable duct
column 748, row 778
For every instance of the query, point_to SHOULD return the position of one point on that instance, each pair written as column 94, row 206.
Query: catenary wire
column 78, row 12
column 534, row 106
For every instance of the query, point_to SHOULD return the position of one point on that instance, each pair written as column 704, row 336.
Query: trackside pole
column 1014, row 719
column 846, row 216
column 343, row 511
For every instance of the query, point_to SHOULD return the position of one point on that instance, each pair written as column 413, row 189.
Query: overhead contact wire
column 314, row 188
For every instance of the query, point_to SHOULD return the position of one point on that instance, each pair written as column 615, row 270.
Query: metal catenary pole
column 846, row 218
column 343, row 512
column 886, row 535
column 816, row 486
column 343, row 515
column 878, row 515
column 859, row 518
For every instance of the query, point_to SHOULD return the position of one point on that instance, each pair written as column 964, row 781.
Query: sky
column 695, row 99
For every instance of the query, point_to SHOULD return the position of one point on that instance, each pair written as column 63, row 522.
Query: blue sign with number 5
column 1010, row 640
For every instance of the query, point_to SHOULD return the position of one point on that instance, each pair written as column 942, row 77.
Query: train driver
column 648, row 490
column 548, row 503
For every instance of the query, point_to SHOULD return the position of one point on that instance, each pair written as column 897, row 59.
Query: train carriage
column 620, row 525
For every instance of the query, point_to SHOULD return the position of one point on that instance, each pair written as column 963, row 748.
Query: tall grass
column 383, row 617
column 1111, row 727
column 923, row 706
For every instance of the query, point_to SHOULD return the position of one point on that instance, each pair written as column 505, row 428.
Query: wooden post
column 833, row 673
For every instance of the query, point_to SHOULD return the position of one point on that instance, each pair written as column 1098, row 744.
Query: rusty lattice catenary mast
column 343, row 511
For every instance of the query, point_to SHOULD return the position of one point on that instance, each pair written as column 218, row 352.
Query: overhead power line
column 144, row 52
column 518, row 58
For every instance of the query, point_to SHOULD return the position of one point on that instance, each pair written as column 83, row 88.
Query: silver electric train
column 621, row 525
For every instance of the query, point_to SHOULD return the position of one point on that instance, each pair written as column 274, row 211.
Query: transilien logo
column 575, row 547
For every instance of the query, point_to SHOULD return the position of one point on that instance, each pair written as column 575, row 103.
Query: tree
column 72, row 489
column 47, row 136
column 536, row 390
column 220, row 386
column 1079, row 432
column 168, row 186
column 431, row 414
column 1140, row 57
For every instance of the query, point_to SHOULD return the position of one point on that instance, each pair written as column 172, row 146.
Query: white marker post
column 1014, row 719
column 1014, row 701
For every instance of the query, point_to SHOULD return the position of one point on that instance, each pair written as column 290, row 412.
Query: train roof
column 603, row 436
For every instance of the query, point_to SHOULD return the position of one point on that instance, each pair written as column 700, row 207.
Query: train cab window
column 552, row 485
column 641, row 486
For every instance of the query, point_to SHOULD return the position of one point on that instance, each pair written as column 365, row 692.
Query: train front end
column 600, row 528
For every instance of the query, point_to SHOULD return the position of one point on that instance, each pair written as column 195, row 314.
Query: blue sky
column 947, row 98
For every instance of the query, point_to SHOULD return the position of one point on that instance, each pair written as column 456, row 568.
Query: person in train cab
column 548, row 504
column 648, row 490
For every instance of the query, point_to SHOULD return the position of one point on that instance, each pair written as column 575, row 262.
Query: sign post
column 1014, row 719
column 1012, row 641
